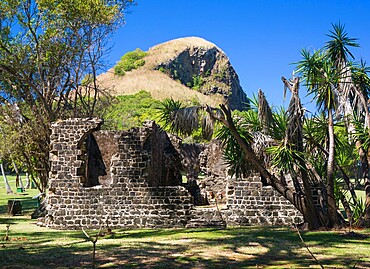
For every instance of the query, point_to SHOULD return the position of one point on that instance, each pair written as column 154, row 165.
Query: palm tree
column 354, row 85
column 363, row 145
column 337, row 51
column 361, row 87
column 321, row 79
column 342, row 87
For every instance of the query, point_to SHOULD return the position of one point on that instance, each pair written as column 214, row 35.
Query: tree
column 18, row 179
column 47, row 48
column 360, row 87
column 321, row 79
column 351, row 92
column 338, row 86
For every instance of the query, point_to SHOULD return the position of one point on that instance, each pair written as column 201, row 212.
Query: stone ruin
column 134, row 179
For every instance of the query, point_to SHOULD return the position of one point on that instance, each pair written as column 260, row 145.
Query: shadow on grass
column 28, row 204
column 40, row 255
column 230, row 248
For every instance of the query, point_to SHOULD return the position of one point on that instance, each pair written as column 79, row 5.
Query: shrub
column 131, row 60
column 197, row 82
column 139, row 63
column 163, row 70
column 118, row 70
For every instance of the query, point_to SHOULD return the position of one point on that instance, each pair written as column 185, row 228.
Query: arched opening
column 92, row 166
column 164, row 165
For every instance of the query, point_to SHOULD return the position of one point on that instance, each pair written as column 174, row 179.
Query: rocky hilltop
column 188, row 68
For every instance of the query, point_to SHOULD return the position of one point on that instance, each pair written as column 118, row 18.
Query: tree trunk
column 365, row 160
column 294, row 138
column 19, row 182
column 367, row 191
column 315, row 218
column 367, row 202
column 6, row 182
column 28, row 181
column 332, row 206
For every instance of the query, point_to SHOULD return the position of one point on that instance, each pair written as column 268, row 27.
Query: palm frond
column 280, row 124
column 185, row 121
column 207, row 127
column 295, row 114
column 309, row 67
column 253, row 102
column 338, row 46
column 315, row 131
column 236, row 162
column 361, row 81
column 360, row 77
column 361, row 133
column 251, row 121
column 233, row 154
column 177, row 118
column 285, row 158
column 168, row 106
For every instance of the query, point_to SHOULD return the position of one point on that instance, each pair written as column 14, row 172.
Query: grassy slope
column 31, row 246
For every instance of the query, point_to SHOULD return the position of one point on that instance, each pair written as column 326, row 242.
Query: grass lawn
column 28, row 204
column 30, row 246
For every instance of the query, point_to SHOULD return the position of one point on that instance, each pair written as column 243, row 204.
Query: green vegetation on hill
column 131, row 111
column 131, row 60
column 196, row 84
column 128, row 111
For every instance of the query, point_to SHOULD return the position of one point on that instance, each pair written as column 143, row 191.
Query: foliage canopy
column 47, row 47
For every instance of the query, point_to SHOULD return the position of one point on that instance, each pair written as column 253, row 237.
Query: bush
column 118, row 70
column 139, row 63
column 197, row 82
column 163, row 70
column 131, row 60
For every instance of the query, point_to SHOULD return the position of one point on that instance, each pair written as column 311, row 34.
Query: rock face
column 202, row 66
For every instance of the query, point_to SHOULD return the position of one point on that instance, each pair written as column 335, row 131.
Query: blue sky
column 261, row 38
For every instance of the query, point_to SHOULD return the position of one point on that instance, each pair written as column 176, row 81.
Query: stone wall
column 127, row 199
column 250, row 203
column 215, row 171
column 141, row 186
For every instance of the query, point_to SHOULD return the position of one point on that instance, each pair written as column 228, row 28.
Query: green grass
column 250, row 247
column 31, row 246
column 28, row 204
